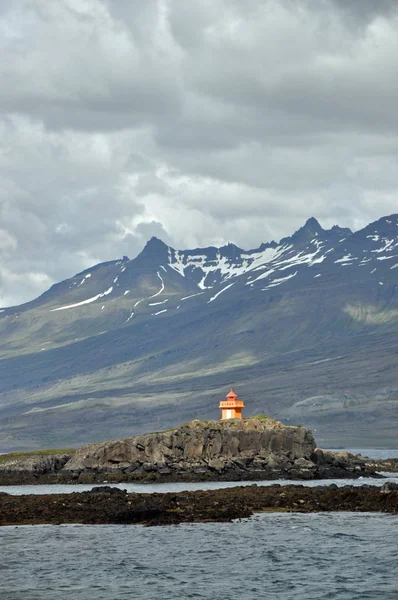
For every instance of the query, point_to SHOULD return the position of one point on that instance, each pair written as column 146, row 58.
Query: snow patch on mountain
column 222, row 267
column 161, row 287
column 88, row 301
column 389, row 246
column 192, row 296
column 344, row 259
column 262, row 276
column 176, row 261
column 220, row 292
column 212, row 267
column 84, row 279
column 276, row 282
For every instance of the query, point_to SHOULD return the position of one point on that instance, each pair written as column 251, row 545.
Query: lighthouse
column 231, row 407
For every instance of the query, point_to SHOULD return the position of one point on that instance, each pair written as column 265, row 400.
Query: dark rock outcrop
column 216, row 505
column 389, row 487
column 36, row 464
column 234, row 450
column 241, row 449
column 245, row 449
column 342, row 464
column 387, row 464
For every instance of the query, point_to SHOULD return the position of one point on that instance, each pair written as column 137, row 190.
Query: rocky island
column 257, row 448
column 233, row 449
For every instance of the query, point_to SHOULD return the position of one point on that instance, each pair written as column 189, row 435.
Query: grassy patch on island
column 22, row 455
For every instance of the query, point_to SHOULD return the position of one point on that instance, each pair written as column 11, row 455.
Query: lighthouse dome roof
column 232, row 394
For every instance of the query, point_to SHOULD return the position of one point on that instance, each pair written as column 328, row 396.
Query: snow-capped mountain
column 176, row 326
column 301, row 255
column 309, row 254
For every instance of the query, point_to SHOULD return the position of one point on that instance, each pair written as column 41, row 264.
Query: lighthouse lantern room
column 231, row 407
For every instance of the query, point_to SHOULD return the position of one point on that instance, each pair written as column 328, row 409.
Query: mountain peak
column 230, row 250
column 154, row 249
column 313, row 225
column 155, row 240
column 155, row 245
column 338, row 229
column 310, row 229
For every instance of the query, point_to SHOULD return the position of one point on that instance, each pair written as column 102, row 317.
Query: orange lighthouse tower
column 231, row 407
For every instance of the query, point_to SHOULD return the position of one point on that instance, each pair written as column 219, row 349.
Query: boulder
column 303, row 463
column 106, row 489
column 389, row 487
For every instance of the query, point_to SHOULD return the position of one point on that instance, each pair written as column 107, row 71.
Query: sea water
column 149, row 488
column 342, row 556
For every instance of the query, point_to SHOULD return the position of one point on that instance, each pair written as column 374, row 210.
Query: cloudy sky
column 199, row 122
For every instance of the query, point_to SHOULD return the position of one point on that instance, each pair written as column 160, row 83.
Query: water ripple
column 342, row 556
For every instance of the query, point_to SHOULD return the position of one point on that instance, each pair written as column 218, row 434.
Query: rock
column 241, row 462
column 303, row 463
column 164, row 471
column 388, row 487
column 106, row 489
column 221, row 505
column 132, row 467
column 148, row 467
column 275, row 462
column 217, row 464
column 35, row 463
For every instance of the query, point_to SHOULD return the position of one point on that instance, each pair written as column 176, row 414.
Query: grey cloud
column 363, row 12
column 188, row 120
column 86, row 71
column 63, row 201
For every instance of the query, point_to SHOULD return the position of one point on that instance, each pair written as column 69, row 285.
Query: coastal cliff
column 235, row 450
